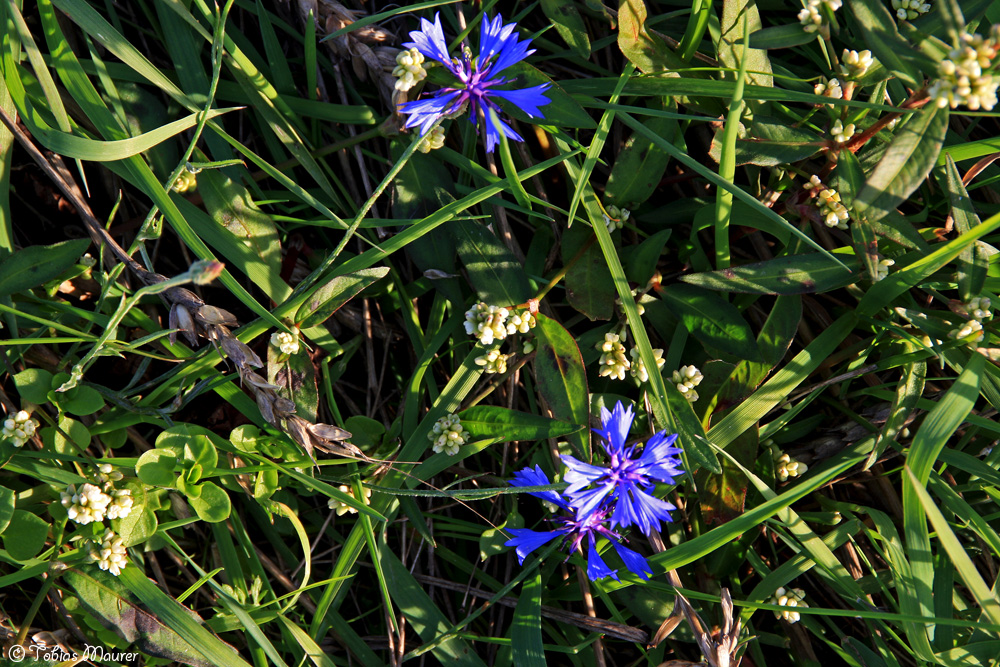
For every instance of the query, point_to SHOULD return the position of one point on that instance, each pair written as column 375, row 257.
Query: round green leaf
column 81, row 401
column 25, row 535
column 156, row 467
column 213, row 504
column 6, row 507
column 33, row 385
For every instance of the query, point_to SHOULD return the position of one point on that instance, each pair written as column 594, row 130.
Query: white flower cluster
column 432, row 141
column 613, row 360
column 112, row 556
column 855, row 64
column 492, row 323
column 19, row 428
column 828, row 201
column 448, row 435
column 786, row 467
column 638, row 369
column 87, row 505
column 882, row 270
column 493, row 361
column 910, row 9
column 790, row 598
column 92, row 503
column 964, row 78
column 831, row 89
column 409, row 70
column 842, row 133
column 344, row 508
column 686, row 379
column 972, row 330
column 288, row 343
column 487, row 323
column 811, row 18
column 615, row 218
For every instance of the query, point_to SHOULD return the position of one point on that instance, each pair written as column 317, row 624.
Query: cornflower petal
column 580, row 474
column 526, row 99
column 493, row 36
column 537, row 477
column 429, row 40
column 511, row 52
column 495, row 127
column 589, row 501
column 424, row 113
column 617, row 424
column 635, row 562
column 525, row 541
column 596, row 567
column 635, row 506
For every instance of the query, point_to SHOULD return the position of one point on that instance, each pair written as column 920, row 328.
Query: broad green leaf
column 738, row 18
column 781, row 37
column 770, row 142
column 526, row 627
column 647, row 52
column 37, row 264
column 6, row 507
column 146, row 617
column 589, row 288
column 716, row 323
column 80, row 400
column 156, row 467
column 489, row 421
column 793, row 274
column 905, row 165
column 34, row 384
column 641, row 260
column 212, row 504
column 423, row 614
column 25, row 535
column 561, row 379
column 565, row 16
column 326, row 299
column 640, row 165
column 498, row 278
column 972, row 262
column 241, row 232
column 878, row 28
column 296, row 375
column 139, row 525
column 72, row 437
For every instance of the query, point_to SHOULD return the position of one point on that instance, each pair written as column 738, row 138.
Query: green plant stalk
column 727, row 161
column 701, row 11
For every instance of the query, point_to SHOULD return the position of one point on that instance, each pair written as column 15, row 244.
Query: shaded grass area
column 288, row 505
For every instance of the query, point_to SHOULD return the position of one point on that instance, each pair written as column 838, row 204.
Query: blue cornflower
column 624, row 483
column 478, row 78
column 574, row 530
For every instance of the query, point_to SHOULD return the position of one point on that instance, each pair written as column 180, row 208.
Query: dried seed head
column 180, row 318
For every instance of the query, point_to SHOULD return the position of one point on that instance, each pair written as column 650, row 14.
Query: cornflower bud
column 121, row 504
column 448, row 435
column 613, row 361
column 979, row 308
column 487, row 323
column 638, row 369
column 790, row 598
column 615, row 218
column 811, row 18
column 19, row 428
